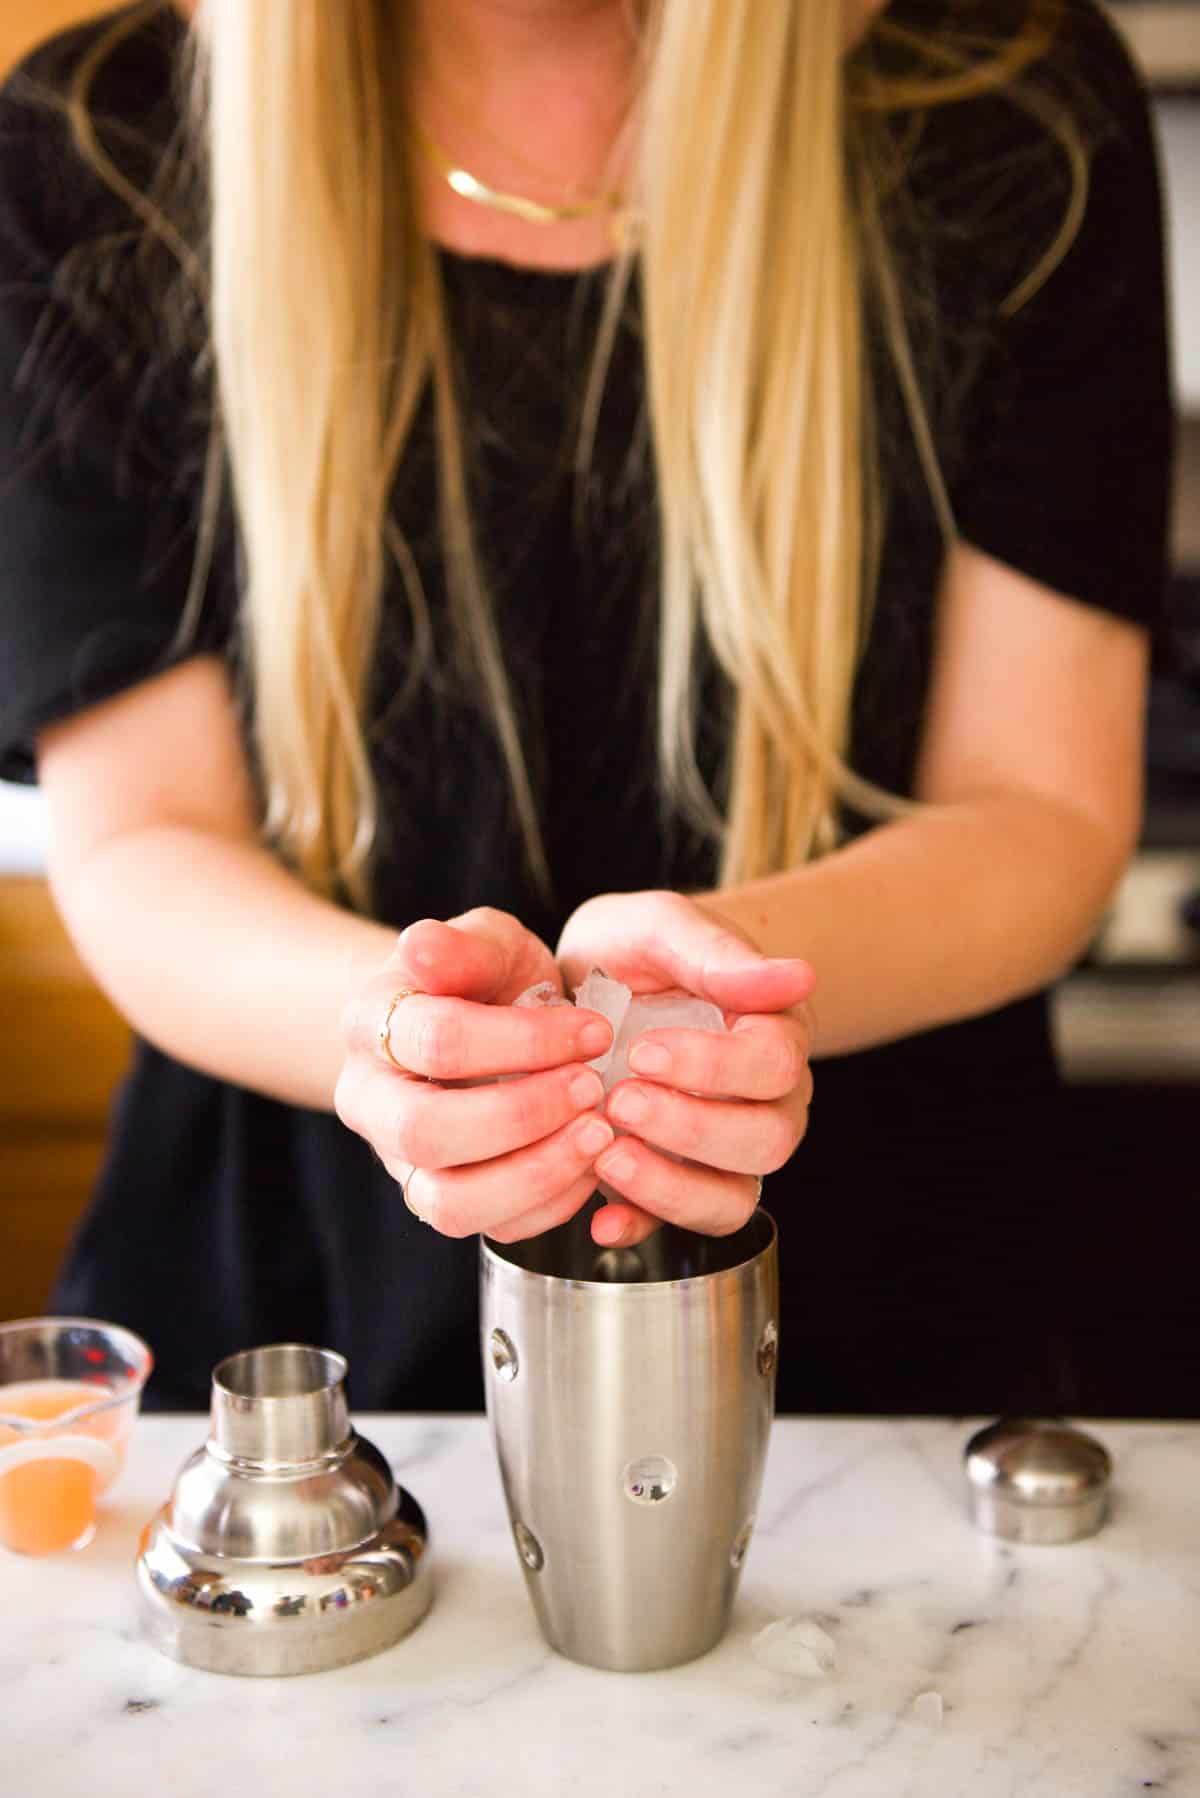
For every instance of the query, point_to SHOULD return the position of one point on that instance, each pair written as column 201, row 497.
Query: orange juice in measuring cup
column 70, row 1388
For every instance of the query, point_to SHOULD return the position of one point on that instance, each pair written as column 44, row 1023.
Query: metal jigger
column 630, row 1393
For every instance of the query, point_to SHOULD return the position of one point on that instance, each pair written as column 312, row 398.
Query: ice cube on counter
column 796, row 1645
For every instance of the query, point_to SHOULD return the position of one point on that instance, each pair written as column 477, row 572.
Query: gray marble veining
column 1063, row 1673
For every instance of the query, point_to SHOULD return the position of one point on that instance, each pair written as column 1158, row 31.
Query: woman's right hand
column 508, row 1158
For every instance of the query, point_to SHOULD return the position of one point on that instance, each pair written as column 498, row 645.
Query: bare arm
column 217, row 954
column 1032, row 765
column 199, row 936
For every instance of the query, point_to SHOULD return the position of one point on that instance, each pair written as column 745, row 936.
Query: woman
column 686, row 496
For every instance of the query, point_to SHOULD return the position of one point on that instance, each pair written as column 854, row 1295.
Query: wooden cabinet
column 24, row 23
column 62, row 1047
column 62, row 1051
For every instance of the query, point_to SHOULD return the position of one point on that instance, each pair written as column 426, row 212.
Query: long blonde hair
column 762, row 246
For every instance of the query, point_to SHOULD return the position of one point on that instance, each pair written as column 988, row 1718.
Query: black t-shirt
column 917, row 1217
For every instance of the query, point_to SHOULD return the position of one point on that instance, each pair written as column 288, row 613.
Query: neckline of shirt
column 516, row 278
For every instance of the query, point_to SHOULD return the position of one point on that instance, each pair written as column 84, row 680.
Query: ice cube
column 611, row 999
column 927, row 1708
column 796, row 1645
column 659, row 1011
column 629, row 1016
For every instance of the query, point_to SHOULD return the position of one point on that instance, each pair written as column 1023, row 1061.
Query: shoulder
column 1051, row 165
column 97, row 342
column 1062, row 70
column 1074, row 46
column 52, row 198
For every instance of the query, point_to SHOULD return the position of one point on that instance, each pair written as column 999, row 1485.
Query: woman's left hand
column 735, row 1105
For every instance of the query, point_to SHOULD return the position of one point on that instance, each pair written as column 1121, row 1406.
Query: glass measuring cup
column 70, row 1388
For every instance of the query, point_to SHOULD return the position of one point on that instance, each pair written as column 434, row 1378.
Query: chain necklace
column 531, row 212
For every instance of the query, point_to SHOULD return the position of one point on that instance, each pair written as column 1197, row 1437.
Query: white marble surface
column 1069, row 1671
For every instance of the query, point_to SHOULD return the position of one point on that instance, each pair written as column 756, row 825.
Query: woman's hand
column 508, row 1158
column 734, row 1105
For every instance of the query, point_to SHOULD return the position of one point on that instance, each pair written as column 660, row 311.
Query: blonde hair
column 762, row 244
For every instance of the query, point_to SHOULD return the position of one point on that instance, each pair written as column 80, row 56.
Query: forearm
column 935, row 917
column 219, row 956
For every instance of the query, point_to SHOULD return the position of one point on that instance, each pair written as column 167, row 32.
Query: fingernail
column 586, row 1090
column 649, row 1058
column 422, row 958
column 595, row 1038
column 618, row 1167
column 612, row 1236
column 629, row 1105
column 593, row 1136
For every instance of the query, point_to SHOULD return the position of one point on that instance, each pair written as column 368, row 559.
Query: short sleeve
column 1067, row 475
column 100, row 462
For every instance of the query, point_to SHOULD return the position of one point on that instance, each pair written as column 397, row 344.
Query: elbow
column 90, row 912
column 1097, row 854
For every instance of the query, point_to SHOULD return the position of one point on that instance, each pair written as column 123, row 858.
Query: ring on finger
column 758, row 1188
column 385, row 1029
column 404, row 1186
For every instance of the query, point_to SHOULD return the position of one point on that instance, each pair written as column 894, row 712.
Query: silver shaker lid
column 1036, row 1481
column 286, row 1545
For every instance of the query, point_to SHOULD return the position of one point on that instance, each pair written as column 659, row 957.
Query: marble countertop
column 1062, row 1671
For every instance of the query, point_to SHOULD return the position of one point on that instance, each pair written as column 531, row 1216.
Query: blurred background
column 1128, row 1019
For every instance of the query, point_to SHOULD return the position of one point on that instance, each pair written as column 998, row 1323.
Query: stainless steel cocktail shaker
column 286, row 1545
column 630, row 1393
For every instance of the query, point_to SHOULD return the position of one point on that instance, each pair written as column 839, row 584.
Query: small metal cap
column 1036, row 1481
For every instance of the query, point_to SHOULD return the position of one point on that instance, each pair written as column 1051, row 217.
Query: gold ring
column 404, row 1186
column 385, row 1029
column 758, row 1194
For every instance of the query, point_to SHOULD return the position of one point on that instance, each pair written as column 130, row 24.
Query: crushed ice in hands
column 630, row 1016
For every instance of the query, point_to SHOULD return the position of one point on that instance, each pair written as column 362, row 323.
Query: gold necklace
column 532, row 212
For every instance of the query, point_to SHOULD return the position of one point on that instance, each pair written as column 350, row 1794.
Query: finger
column 737, row 1135
column 457, row 1039
column 719, row 965
column 695, row 1198
column 433, row 1126
column 694, row 949
column 618, row 1225
column 464, row 1201
column 547, row 1217
column 758, row 1058
column 437, row 957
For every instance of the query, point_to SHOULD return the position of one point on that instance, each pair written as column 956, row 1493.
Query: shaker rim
column 493, row 1254
column 335, row 1368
